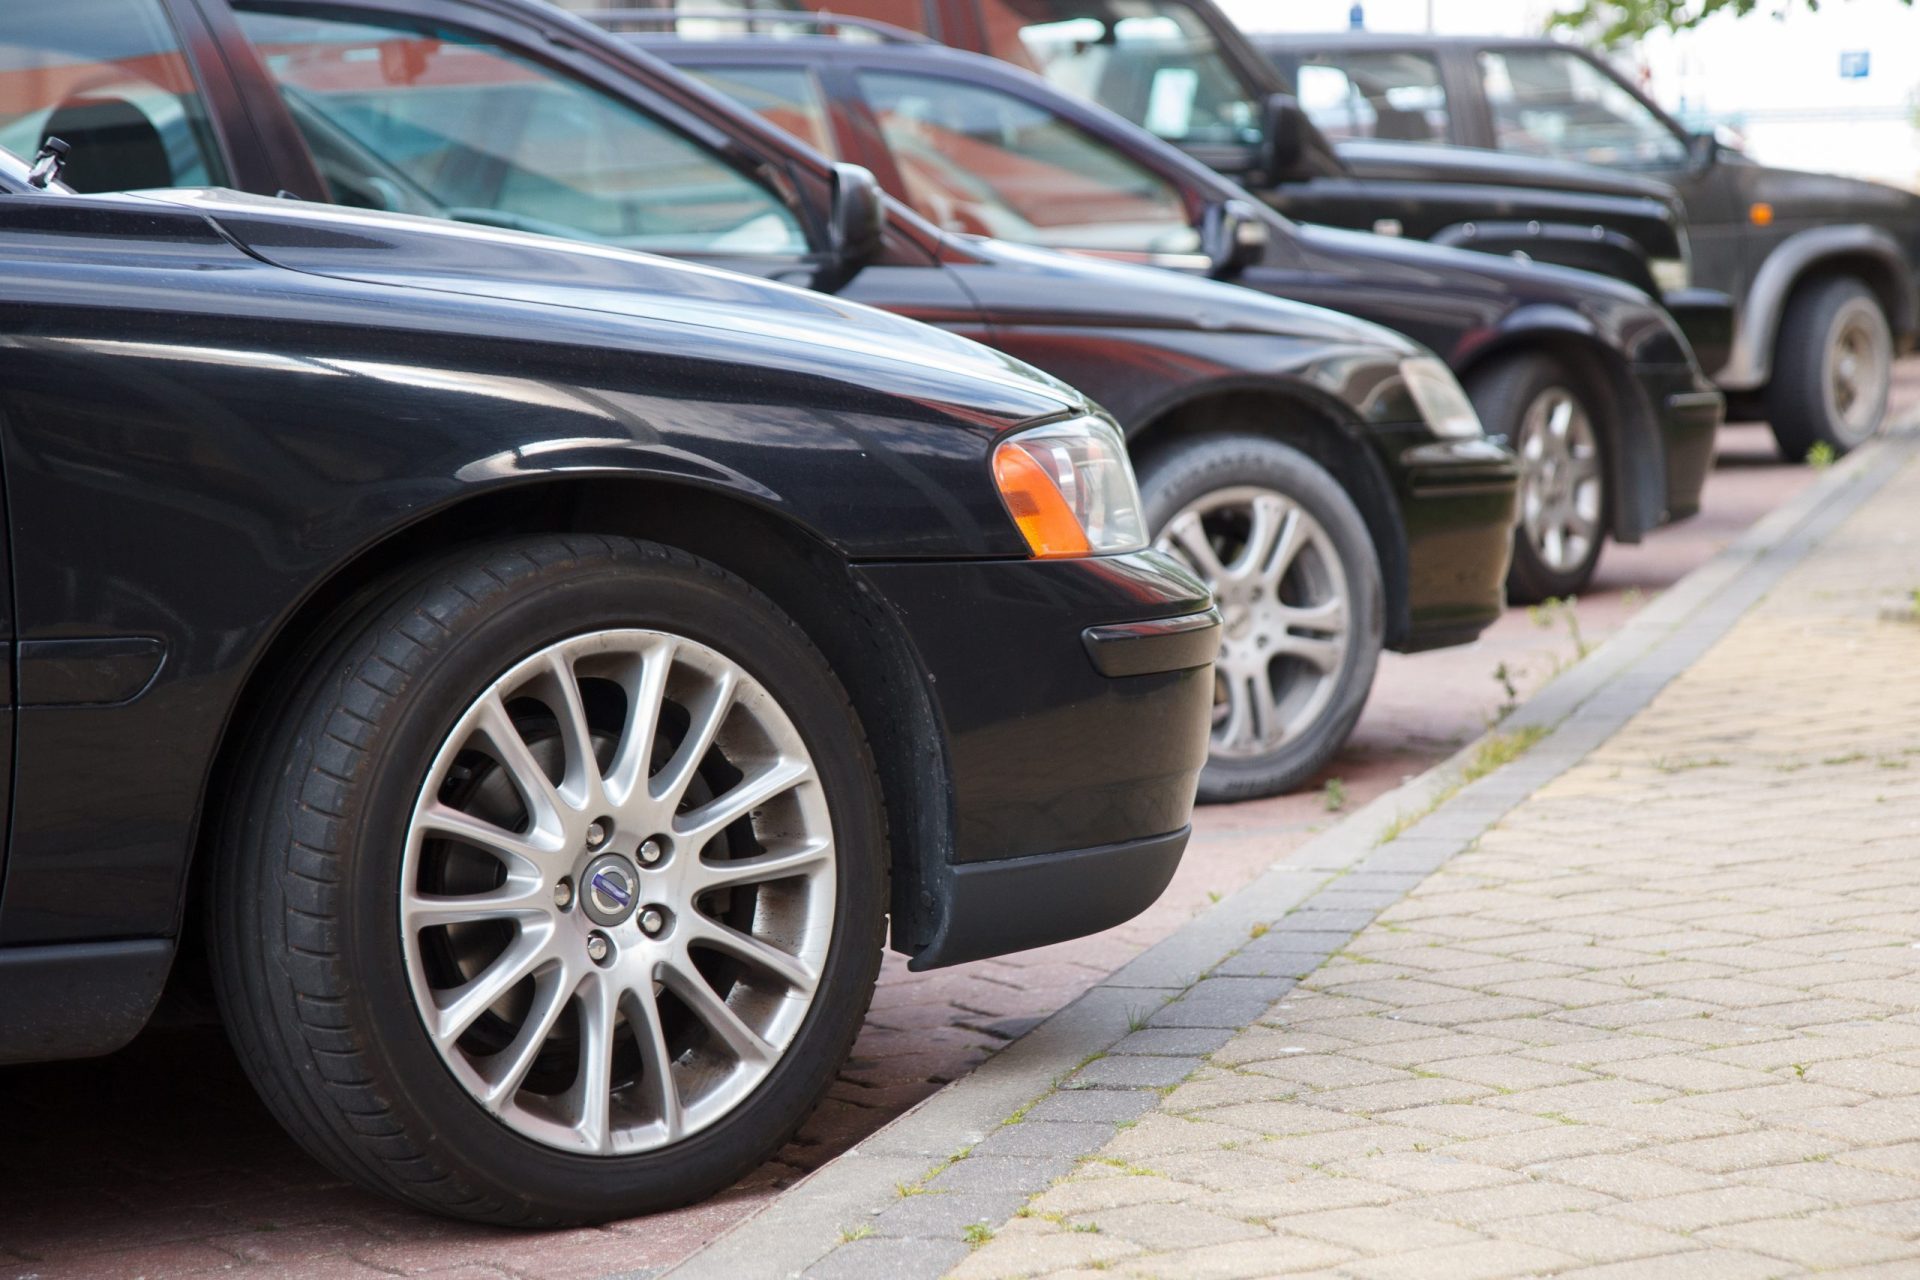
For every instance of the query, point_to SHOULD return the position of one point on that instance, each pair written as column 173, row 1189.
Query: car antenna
column 47, row 165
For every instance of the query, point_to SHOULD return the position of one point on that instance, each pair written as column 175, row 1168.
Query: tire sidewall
column 460, row 1136
column 1181, row 475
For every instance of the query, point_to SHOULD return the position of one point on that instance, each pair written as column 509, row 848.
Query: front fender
column 1750, row 364
column 1584, row 247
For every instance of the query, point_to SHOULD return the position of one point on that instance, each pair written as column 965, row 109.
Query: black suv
column 1584, row 377
column 1822, row 267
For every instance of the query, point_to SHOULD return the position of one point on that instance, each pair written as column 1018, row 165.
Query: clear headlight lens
column 1441, row 400
column 1672, row 273
column 1070, row 488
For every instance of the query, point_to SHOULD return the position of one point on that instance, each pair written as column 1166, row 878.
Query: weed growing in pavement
column 1335, row 795
column 1557, row 612
column 905, row 1189
column 1137, row 1018
column 977, row 1234
column 1258, row 929
column 1495, row 750
column 1685, row 763
column 1213, row 895
column 860, row 1232
column 1820, row 457
column 1512, row 693
column 1088, row 1228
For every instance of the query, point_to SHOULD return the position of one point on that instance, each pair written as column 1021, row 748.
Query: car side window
column 1549, row 102
column 107, row 77
column 1394, row 96
column 1153, row 61
column 789, row 97
column 980, row 161
column 421, row 118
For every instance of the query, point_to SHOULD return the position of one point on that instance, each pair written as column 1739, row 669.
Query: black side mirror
column 1285, row 134
column 1703, row 149
column 856, row 225
column 1234, row 237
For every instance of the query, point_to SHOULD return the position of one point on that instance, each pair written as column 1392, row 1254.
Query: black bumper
column 1458, row 499
column 1073, row 698
column 1690, row 416
column 1705, row 316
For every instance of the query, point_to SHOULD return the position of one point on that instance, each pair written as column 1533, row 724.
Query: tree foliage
column 1612, row 22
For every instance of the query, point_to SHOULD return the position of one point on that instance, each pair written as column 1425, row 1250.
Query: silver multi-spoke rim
column 1283, row 597
column 1560, row 480
column 1859, row 353
column 618, row 892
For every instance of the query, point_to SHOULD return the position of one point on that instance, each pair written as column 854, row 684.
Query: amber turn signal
column 1038, row 507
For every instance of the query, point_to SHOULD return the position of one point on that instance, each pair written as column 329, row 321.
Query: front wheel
column 556, row 893
column 1832, row 371
column 1546, row 417
column 1297, row 580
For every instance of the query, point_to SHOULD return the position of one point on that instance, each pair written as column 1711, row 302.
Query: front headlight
column 1070, row 488
column 1670, row 274
column 1440, row 398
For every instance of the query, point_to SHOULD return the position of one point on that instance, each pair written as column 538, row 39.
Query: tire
column 1832, row 369
column 1312, row 632
column 332, row 990
column 1548, row 417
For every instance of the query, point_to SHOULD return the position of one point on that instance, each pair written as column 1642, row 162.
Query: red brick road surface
column 159, row 1162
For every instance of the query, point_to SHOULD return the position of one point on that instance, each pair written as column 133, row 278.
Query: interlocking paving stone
column 1662, row 1019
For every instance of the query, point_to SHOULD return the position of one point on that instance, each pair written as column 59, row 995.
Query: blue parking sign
column 1854, row 64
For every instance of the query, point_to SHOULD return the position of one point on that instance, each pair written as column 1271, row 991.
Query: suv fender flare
column 1750, row 363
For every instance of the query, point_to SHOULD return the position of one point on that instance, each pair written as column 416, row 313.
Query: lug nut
column 650, row 851
column 652, row 922
column 563, row 894
column 598, row 948
column 596, row 834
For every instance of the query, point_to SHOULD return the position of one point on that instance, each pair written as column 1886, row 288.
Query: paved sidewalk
column 1663, row 1019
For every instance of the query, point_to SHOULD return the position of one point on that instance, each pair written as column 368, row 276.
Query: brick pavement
column 1663, row 1019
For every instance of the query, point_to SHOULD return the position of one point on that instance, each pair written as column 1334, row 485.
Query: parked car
column 1822, row 267
column 1181, row 70
column 524, row 668
column 1587, row 379
column 1328, row 477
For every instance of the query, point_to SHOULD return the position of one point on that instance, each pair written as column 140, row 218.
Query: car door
column 450, row 111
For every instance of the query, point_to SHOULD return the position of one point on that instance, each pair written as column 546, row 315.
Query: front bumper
column 1074, row 698
column 1691, row 412
column 1458, row 500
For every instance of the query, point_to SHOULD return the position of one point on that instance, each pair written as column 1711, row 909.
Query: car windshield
column 1153, row 61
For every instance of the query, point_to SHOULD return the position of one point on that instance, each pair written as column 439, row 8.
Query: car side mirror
column 856, row 224
column 1285, row 134
column 1703, row 149
column 1234, row 237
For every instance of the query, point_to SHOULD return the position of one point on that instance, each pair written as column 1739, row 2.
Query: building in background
column 1836, row 91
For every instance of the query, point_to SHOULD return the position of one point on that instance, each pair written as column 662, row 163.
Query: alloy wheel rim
column 1560, row 480
column 617, row 893
column 1285, row 604
column 1858, row 355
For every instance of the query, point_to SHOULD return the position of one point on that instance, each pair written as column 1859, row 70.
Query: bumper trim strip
column 1147, row 648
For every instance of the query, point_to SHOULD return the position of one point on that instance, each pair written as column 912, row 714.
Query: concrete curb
column 1103, row 1059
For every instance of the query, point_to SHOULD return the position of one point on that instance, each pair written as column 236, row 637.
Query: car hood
column 1060, row 288
column 429, row 253
column 1435, row 266
column 1428, row 162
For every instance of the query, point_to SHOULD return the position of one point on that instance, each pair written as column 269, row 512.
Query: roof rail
column 756, row 20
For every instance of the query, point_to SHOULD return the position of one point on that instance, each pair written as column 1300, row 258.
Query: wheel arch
column 1866, row 253
column 1320, row 427
column 1630, row 441
column 853, row 628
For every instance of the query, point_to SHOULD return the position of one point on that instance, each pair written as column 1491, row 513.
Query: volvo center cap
column 610, row 888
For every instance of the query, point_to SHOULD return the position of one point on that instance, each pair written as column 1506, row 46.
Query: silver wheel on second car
column 1285, row 602
column 1561, row 481
column 1858, row 360
column 617, row 892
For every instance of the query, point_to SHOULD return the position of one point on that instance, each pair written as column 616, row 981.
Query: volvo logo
column 611, row 887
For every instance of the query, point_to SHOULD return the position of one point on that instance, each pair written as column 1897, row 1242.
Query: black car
column 1181, row 70
column 1823, row 267
column 525, row 670
column 1250, row 418
column 1586, row 378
